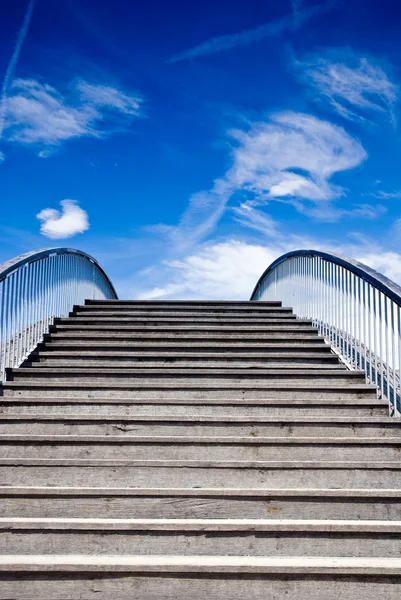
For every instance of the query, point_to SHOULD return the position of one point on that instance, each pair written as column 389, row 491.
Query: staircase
column 195, row 450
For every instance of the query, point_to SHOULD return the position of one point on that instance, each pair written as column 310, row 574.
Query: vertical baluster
column 360, row 364
column 3, row 325
column 23, row 304
column 393, row 385
column 398, row 362
column 381, row 351
column 349, row 318
column 387, row 343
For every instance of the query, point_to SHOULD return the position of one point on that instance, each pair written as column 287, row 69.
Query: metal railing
column 356, row 310
column 37, row 287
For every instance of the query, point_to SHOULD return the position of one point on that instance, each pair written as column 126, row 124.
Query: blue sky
column 186, row 145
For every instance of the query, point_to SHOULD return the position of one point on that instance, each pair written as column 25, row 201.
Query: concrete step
column 109, row 343
column 123, row 360
column 66, row 324
column 285, row 318
column 265, row 313
column 319, row 375
column 171, row 304
column 187, row 448
column 200, row 503
column 125, row 331
column 312, row 352
column 201, row 577
column 220, row 426
column 198, row 474
column 156, row 388
column 278, row 312
column 307, row 406
column 181, row 307
column 201, row 537
column 204, row 320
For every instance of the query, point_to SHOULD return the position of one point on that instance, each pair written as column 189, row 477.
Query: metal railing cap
column 379, row 281
column 29, row 257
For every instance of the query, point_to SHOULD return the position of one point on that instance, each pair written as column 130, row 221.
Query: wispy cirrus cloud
column 354, row 86
column 289, row 157
column 38, row 115
column 255, row 219
column 381, row 194
column 13, row 62
column 291, row 22
column 329, row 213
column 57, row 225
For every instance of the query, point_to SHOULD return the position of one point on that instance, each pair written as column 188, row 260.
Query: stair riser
column 250, row 316
column 154, row 392
column 210, row 543
column 92, row 304
column 226, row 452
column 287, row 363
column 197, row 321
column 190, row 339
column 202, row 379
column 138, row 476
column 177, row 410
column 206, row 429
column 174, row 347
column 298, row 352
column 182, row 586
column 124, row 310
column 198, row 508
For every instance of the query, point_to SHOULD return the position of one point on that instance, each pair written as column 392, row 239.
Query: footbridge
column 200, row 449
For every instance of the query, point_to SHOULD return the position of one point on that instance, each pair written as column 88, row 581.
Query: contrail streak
column 294, row 21
column 13, row 62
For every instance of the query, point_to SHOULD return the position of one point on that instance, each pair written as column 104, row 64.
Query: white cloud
column 290, row 22
column 2, row 157
column 365, row 211
column 385, row 262
column 230, row 269
column 65, row 223
column 223, row 270
column 387, row 195
column 353, row 85
column 109, row 98
column 202, row 215
column 329, row 213
column 13, row 62
column 249, row 216
column 38, row 115
column 292, row 156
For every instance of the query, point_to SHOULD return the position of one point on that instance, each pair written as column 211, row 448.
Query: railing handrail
column 38, row 287
column 377, row 280
column 354, row 308
column 12, row 265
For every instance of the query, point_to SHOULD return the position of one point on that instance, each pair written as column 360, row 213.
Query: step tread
column 323, row 371
column 66, row 491
column 200, row 440
column 206, row 313
column 202, row 525
column 361, row 402
column 82, row 417
column 313, row 353
column 201, row 564
column 202, row 464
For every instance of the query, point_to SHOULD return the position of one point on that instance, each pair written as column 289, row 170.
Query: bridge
column 200, row 449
